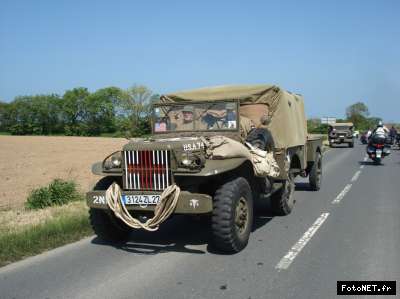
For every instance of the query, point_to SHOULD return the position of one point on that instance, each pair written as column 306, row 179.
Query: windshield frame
column 183, row 103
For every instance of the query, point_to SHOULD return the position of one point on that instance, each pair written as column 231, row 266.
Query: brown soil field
column 27, row 162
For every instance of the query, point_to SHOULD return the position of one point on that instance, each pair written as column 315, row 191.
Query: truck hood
column 177, row 144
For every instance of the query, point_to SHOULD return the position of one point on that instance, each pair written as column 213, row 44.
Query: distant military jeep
column 340, row 133
column 223, row 188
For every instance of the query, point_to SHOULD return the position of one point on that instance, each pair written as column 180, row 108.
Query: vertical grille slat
column 147, row 170
column 134, row 166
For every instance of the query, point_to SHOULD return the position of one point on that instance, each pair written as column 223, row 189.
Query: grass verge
column 52, row 233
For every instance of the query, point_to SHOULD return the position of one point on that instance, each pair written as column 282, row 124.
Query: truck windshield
column 214, row 116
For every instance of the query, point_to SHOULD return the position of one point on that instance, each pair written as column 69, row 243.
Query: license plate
column 378, row 153
column 142, row 200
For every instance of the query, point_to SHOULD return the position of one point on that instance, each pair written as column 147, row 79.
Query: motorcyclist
column 379, row 134
column 380, row 129
column 393, row 134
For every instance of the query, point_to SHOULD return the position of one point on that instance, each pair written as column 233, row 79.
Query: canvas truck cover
column 288, row 124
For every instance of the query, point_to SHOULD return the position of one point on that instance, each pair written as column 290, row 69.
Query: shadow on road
column 177, row 234
column 370, row 163
column 173, row 235
column 339, row 146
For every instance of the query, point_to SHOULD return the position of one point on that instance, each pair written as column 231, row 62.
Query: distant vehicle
column 216, row 178
column 356, row 134
column 341, row 133
column 364, row 138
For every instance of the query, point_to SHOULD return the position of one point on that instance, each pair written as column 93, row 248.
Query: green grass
column 5, row 133
column 58, row 192
column 36, row 239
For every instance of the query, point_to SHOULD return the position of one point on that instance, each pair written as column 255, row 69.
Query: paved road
column 350, row 230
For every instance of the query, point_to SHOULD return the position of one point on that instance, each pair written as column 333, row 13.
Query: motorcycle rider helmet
column 380, row 124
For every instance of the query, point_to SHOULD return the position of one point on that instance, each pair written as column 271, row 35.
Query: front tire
column 232, row 216
column 104, row 223
column 351, row 144
column 315, row 176
column 282, row 201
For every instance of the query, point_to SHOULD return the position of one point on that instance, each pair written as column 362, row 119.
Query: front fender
column 214, row 167
column 97, row 169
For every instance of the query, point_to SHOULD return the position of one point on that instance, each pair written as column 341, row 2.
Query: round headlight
column 116, row 160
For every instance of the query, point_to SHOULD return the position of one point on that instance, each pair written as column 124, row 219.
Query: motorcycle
column 378, row 148
column 364, row 139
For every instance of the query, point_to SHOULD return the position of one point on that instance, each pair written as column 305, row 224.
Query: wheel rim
column 242, row 216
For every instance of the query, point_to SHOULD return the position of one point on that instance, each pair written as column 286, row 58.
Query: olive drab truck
column 340, row 133
column 213, row 152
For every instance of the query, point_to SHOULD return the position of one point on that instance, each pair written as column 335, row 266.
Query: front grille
column 147, row 170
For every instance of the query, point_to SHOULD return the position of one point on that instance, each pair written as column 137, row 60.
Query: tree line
column 78, row 112
column 357, row 113
column 112, row 111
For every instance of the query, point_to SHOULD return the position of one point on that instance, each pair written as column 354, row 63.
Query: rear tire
column 282, row 201
column 232, row 216
column 104, row 223
column 315, row 176
column 377, row 161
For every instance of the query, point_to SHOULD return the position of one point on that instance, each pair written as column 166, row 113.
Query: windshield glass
column 213, row 116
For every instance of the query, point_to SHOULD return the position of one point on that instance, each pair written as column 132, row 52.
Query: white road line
column 285, row 262
column 342, row 194
column 362, row 166
column 355, row 176
column 365, row 158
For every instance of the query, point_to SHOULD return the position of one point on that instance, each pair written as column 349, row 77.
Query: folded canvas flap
column 220, row 147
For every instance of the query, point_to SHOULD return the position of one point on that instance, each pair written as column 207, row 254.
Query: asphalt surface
column 349, row 230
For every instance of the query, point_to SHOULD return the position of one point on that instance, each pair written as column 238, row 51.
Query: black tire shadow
column 177, row 234
column 172, row 236
column 369, row 163
column 339, row 146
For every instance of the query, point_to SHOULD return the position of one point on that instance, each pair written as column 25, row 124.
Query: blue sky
column 333, row 52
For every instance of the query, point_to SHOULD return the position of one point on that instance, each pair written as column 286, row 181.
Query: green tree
column 100, row 108
column 38, row 115
column 135, row 108
column 314, row 126
column 73, row 108
column 4, row 116
column 357, row 114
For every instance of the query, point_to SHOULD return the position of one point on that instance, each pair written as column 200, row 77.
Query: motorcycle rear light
column 378, row 145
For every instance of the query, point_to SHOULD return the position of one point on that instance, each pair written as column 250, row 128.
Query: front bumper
column 341, row 139
column 188, row 203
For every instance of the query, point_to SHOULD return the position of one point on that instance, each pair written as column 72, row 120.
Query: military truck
column 223, row 187
column 340, row 133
